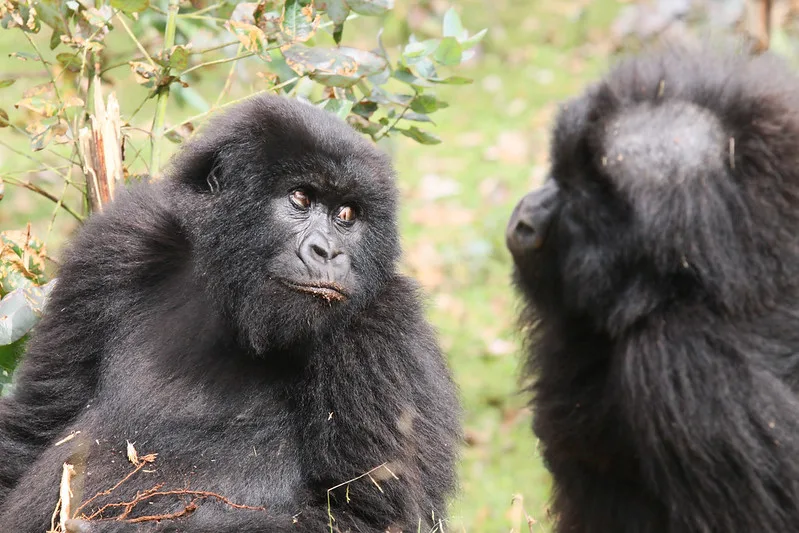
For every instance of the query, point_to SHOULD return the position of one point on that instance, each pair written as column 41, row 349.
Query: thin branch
column 46, row 66
column 163, row 94
column 112, row 489
column 229, row 79
column 217, row 62
column 138, row 44
column 382, row 133
column 203, row 10
column 232, row 102
column 38, row 190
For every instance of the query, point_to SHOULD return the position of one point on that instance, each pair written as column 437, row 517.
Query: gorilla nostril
column 524, row 229
column 320, row 251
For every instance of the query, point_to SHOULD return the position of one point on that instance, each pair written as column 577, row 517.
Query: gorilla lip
column 321, row 289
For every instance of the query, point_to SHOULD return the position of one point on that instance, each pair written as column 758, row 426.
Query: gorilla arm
column 702, row 400
column 58, row 374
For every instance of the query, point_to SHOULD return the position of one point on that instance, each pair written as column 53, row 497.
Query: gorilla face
column 661, row 193
column 296, row 236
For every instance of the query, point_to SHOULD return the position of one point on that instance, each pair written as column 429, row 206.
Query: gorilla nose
column 324, row 258
column 528, row 224
column 318, row 249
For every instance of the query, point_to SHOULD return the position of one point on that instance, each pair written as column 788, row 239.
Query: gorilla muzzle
column 528, row 224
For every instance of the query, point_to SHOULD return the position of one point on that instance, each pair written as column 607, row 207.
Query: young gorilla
column 243, row 319
column 661, row 262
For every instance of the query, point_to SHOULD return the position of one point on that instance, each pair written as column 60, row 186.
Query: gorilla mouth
column 331, row 292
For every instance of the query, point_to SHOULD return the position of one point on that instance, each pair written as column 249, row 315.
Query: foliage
column 87, row 48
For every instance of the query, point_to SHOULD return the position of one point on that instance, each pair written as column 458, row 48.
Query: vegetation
column 389, row 70
column 89, row 145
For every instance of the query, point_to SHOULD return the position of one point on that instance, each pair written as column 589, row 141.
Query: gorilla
column 659, row 267
column 243, row 319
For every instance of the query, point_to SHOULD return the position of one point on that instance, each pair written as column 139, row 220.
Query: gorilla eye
column 346, row 214
column 300, row 200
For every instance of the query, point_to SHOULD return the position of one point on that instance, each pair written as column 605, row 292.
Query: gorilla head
column 672, row 182
column 661, row 266
column 304, row 250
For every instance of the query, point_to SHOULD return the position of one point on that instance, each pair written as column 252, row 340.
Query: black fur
column 664, row 300
column 168, row 328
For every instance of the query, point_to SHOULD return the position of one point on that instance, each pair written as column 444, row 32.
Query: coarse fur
column 664, row 299
column 169, row 328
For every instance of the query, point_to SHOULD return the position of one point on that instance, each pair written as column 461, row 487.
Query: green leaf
column 453, row 80
column 130, row 6
column 179, row 58
column 414, row 50
column 416, row 117
column 371, row 8
column 422, row 137
column 52, row 13
column 300, row 20
column 337, row 10
column 427, row 103
column 336, row 67
column 341, row 108
column 174, row 136
column 8, row 82
column 10, row 356
column 363, row 125
column 406, row 76
column 473, row 40
column 69, row 60
column 452, row 25
column 365, row 109
column 448, row 52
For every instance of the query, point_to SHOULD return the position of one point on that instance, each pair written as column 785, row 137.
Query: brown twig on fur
column 129, row 506
column 112, row 489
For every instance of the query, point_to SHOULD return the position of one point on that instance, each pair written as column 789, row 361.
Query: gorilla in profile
column 244, row 319
column 660, row 264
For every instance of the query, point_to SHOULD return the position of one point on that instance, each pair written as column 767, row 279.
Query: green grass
column 495, row 142
column 495, row 135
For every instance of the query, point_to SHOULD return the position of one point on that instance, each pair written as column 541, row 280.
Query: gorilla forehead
column 663, row 144
column 278, row 137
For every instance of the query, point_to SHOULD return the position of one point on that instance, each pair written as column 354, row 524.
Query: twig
column 229, row 79
column 218, row 62
column 65, row 495
column 232, row 102
column 138, row 44
column 163, row 93
column 35, row 188
column 142, row 497
column 382, row 133
column 112, row 489
column 365, row 474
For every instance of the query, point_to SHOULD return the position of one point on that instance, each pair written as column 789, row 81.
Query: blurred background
column 465, row 151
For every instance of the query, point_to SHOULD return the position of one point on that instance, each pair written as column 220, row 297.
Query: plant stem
column 163, row 94
column 218, row 62
column 38, row 190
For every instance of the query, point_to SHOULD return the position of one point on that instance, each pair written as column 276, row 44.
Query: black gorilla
column 660, row 262
column 243, row 319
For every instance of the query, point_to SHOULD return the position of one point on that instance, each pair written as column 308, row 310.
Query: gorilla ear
column 199, row 165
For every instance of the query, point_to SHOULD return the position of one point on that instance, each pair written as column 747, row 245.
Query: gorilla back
column 661, row 263
column 243, row 319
